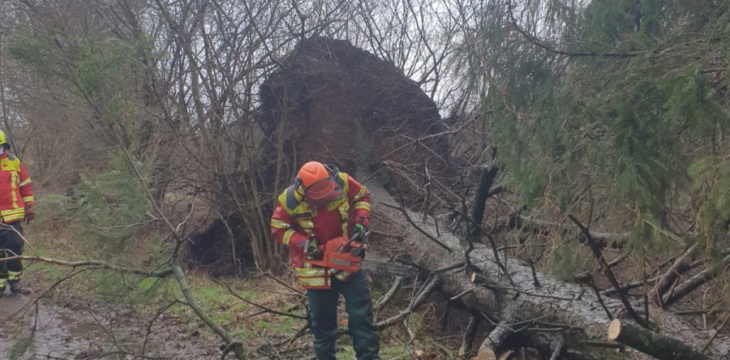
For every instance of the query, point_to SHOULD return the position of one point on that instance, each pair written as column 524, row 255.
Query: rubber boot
column 15, row 288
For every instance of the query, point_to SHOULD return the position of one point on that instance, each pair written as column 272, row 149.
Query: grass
column 245, row 322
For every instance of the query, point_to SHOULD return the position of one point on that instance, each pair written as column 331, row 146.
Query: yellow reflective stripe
column 14, row 275
column 360, row 193
column 310, row 272
column 287, row 236
column 312, row 276
column 28, row 199
column 13, row 218
column 14, row 187
column 342, row 275
column 274, row 223
column 2, row 283
column 13, row 214
column 344, row 208
column 362, row 205
column 312, row 282
column 307, row 224
column 26, row 182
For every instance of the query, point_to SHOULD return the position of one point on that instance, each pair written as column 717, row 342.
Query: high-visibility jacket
column 15, row 188
column 295, row 221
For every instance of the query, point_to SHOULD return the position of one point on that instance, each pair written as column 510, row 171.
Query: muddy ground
column 69, row 329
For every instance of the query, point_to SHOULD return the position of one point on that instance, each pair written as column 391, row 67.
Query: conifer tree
column 616, row 111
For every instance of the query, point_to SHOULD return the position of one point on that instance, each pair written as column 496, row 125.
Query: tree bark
column 679, row 267
column 651, row 343
column 696, row 281
column 514, row 300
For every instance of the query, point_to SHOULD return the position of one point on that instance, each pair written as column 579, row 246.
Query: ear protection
column 332, row 170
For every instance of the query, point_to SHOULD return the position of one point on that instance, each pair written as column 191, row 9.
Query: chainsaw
column 349, row 257
column 339, row 256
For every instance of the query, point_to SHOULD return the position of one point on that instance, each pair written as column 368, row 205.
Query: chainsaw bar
column 383, row 266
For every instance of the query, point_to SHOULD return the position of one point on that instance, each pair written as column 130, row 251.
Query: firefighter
column 322, row 205
column 16, row 205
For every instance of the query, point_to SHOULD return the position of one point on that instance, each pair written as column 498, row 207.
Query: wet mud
column 32, row 329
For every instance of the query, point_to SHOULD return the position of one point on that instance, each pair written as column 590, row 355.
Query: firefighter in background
column 327, row 205
column 16, row 204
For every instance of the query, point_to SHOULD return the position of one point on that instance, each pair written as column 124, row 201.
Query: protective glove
column 29, row 214
column 312, row 250
column 360, row 230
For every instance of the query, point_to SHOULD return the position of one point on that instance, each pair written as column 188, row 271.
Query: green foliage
column 111, row 207
column 711, row 177
column 617, row 125
column 564, row 260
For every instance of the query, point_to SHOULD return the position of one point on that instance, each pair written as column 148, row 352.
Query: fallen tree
column 523, row 309
column 338, row 104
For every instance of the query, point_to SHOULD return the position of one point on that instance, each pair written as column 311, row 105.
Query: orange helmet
column 316, row 180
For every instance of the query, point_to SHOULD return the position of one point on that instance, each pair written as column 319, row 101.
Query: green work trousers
column 359, row 308
column 11, row 244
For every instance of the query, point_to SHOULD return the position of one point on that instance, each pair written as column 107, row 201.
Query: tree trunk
column 515, row 301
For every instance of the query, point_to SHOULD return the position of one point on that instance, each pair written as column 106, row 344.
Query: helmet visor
column 321, row 189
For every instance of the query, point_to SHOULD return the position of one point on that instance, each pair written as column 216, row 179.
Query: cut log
column 507, row 355
column 485, row 354
column 651, row 343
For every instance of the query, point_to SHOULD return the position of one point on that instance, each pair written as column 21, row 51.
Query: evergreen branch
column 609, row 274
column 601, row 239
column 537, row 42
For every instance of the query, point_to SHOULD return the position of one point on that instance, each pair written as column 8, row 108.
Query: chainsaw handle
column 353, row 238
column 358, row 251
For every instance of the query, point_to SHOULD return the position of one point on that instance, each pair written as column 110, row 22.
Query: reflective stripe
column 14, row 187
column 313, row 277
column 2, row 283
column 274, row 223
column 362, row 205
column 13, row 214
column 26, row 182
column 343, row 275
column 306, row 224
column 14, row 275
column 360, row 193
column 344, row 208
column 287, row 237
column 309, row 272
column 28, row 199
column 316, row 282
